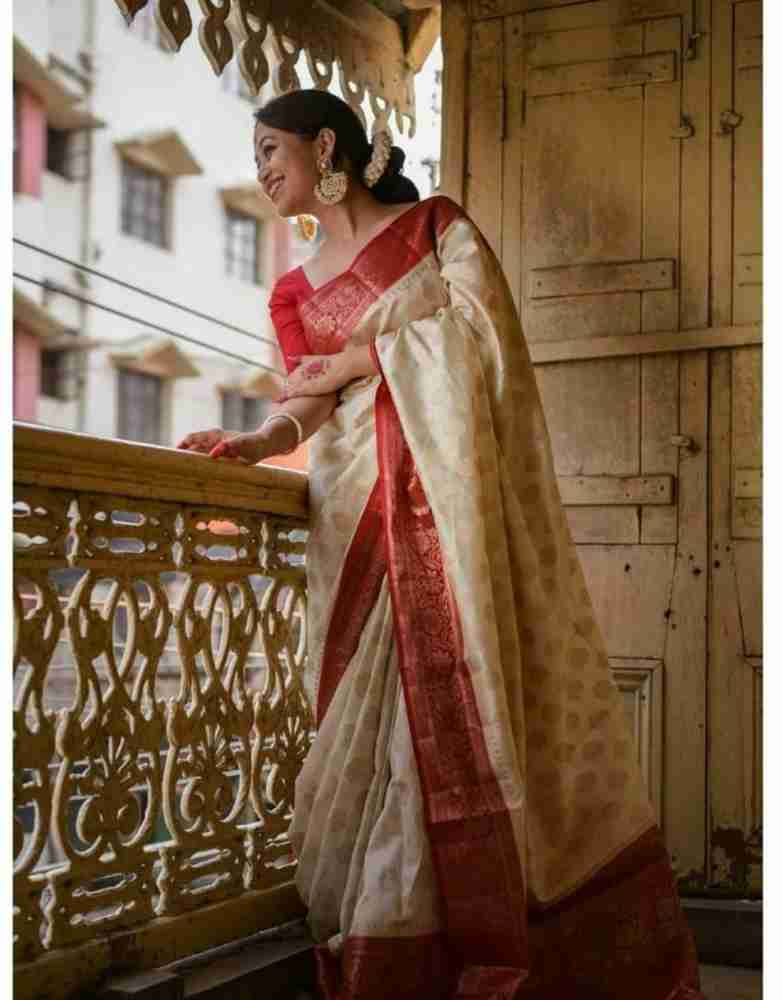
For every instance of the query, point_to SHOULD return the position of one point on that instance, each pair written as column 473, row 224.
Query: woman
column 470, row 821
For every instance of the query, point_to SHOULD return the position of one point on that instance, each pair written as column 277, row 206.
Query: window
column 67, row 153
column 144, row 204
column 140, row 409
column 243, row 246
column 59, row 375
column 242, row 413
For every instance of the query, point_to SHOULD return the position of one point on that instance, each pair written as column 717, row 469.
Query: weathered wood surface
column 599, row 74
column 641, row 683
column 661, row 176
column 685, row 640
column 584, row 279
column 485, row 108
column 514, row 57
column 647, row 343
column 630, row 589
column 659, row 423
column 456, row 43
column 747, row 140
column 735, row 741
column 721, row 166
column 591, row 490
column 747, row 441
column 78, row 462
column 695, row 179
column 604, row 437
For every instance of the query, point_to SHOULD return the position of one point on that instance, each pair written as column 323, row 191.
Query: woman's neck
column 353, row 219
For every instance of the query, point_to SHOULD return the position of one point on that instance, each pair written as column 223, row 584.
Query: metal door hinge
column 685, row 131
column 503, row 112
column 729, row 120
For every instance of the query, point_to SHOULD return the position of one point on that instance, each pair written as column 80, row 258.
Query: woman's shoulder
column 443, row 211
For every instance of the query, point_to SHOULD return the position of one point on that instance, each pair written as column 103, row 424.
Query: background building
column 161, row 194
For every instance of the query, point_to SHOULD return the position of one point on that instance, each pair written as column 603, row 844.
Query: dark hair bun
column 394, row 188
column 396, row 161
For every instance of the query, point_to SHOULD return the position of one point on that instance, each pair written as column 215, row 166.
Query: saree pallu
column 471, row 820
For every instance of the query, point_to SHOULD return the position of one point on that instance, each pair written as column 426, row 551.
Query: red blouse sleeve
column 287, row 322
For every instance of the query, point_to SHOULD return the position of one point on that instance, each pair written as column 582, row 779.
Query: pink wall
column 27, row 374
column 32, row 142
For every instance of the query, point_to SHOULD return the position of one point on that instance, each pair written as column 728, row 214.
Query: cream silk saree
column 471, row 820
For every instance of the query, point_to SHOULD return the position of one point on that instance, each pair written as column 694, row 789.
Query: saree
column 471, row 820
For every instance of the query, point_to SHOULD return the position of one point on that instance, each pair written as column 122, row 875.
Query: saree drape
column 471, row 820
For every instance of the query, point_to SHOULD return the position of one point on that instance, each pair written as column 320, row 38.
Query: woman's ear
column 325, row 143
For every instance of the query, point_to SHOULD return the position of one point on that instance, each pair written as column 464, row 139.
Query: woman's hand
column 216, row 443
column 204, row 441
column 318, row 374
column 251, row 447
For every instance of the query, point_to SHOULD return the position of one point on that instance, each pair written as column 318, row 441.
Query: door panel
column 748, row 213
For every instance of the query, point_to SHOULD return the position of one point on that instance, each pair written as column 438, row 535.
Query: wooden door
column 602, row 225
column 610, row 151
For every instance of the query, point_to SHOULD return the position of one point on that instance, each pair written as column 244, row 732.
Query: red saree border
column 473, row 845
column 620, row 935
column 358, row 588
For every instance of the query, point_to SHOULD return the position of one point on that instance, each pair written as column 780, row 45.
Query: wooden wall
column 610, row 151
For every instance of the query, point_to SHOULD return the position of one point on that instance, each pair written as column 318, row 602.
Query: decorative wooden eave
column 164, row 152
column 374, row 53
column 155, row 356
column 248, row 199
column 61, row 103
column 35, row 319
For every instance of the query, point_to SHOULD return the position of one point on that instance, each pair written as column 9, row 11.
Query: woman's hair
column 306, row 112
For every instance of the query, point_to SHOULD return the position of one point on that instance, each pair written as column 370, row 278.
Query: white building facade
column 153, row 183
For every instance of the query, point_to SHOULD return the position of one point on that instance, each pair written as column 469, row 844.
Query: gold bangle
column 296, row 423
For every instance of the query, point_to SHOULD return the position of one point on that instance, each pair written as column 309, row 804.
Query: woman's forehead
column 267, row 132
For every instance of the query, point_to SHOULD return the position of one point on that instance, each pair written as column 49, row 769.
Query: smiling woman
column 471, row 820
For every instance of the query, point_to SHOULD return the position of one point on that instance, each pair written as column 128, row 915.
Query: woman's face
column 287, row 167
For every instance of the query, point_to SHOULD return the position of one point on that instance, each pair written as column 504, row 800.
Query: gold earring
column 333, row 184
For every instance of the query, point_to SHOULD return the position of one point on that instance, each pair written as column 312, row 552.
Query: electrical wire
column 142, row 291
column 145, row 322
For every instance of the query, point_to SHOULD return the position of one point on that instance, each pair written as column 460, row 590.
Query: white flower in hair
column 381, row 153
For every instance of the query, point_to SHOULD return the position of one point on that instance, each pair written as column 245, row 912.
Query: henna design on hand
column 314, row 369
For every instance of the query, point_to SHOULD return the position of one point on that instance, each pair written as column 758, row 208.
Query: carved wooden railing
column 159, row 716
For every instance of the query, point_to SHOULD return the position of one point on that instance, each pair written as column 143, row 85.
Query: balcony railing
column 159, row 714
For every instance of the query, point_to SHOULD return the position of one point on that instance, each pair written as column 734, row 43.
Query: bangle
column 296, row 423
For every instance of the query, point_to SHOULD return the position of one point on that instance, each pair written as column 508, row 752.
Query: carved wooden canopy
column 375, row 48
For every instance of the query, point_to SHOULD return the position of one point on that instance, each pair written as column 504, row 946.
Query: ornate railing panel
column 159, row 715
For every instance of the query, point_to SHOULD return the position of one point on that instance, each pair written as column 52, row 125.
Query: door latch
column 685, row 131
column 683, row 441
column 729, row 120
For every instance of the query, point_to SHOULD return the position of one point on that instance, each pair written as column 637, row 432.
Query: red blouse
column 319, row 320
